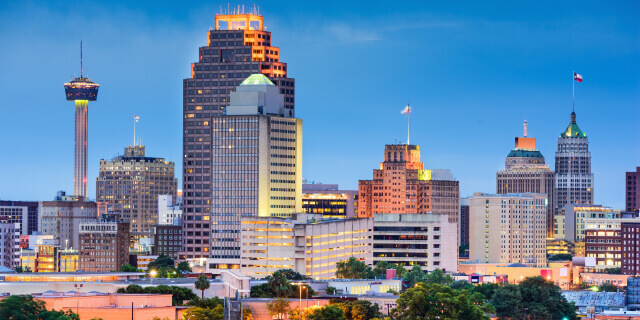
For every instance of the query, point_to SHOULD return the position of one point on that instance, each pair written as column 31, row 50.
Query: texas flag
column 577, row 77
column 136, row 118
column 406, row 110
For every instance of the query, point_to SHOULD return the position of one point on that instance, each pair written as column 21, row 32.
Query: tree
column 486, row 289
column 196, row 313
column 560, row 257
column 21, row 269
column 183, row 267
column 278, row 307
column 438, row 276
column 292, row 275
column 279, row 286
column 414, row 276
column 353, row 269
column 128, row 268
column 330, row 312
column 161, row 261
column 359, row 310
column 462, row 250
column 612, row 270
column 330, row 290
column 202, row 284
column 26, row 308
column 179, row 294
column 297, row 314
column 542, row 299
column 461, row 284
column 608, row 287
column 435, row 301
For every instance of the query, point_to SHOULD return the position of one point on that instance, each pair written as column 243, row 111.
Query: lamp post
column 152, row 274
column 78, row 286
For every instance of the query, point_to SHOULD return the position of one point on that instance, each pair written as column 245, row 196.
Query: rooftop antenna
column 525, row 128
column 80, row 58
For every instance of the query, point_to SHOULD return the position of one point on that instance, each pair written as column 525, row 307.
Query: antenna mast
column 525, row 128
column 80, row 58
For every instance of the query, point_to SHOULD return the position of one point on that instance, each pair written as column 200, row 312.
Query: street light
column 78, row 286
column 152, row 274
column 300, row 284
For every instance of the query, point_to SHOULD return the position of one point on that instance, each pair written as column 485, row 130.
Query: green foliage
column 613, row 271
column 415, row 276
column 202, row 284
column 435, row 301
column 608, row 287
column 462, row 250
column 330, row 312
column 560, row 257
column 381, row 267
column 461, row 284
column 292, row 275
column 297, row 314
column 179, row 294
column 542, row 299
column 196, row 313
column 278, row 307
column 161, row 261
column 167, row 272
column 359, row 310
column 353, row 269
column 208, row 303
column 486, row 289
column 183, row 267
column 26, row 308
column 279, row 285
column 331, row 290
column 129, row 268
column 437, row 276
column 21, row 269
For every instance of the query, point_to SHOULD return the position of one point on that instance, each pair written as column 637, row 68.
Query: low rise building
column 329, row 200
column 26, row 213
column 49, row 258
column 104, row 246
column 428, row 240
column 9, row 244
column 630, row 238
column 573, row 220
column 305, row 243
column 167, row 240
column 169, row 212
column 63, row 216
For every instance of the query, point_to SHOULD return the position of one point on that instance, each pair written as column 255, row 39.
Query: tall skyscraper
column 508, row 228
column 131, row 184
column 574, row 180
column 81, row 90
column 632, row 196
column 238, row 47
column 27, row 213
column 402, row 185
column 525, row 171
column 256, row 170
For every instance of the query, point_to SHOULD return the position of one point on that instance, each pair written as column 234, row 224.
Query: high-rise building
column 104, row 246
column 424, row 239
column 329, row 200
column 508, row 228
column 167, row 240
column 131, row 184
column 9, row 244
column 305, row 243
column 256, row 171
column 604, row 237
column 237, row 47
column 62, row 217
column 169, row 213
column 27, row 213
column 574, row 180
column 630, row 264
column 571, row 225
column 525, row 171
column 464, row 221
column 81, row 90
column 402, row 185
column 632, row 196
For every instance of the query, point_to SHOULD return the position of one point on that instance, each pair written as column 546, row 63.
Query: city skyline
column 342, row 126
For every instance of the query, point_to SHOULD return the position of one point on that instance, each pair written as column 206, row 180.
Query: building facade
column 131, row 184
column 464, row 221
column 508, row 228
column 329, row 200
column 428, row 240
column 256, row 171
column 9, row 244
column 305, row 243
column 27, row 213
column 525, row 171
column 62, row 218
column 573, row 228
column 104, row 246
column 167, row 240
column 49, row 258
column 237, row 47
column 632, row 196
column 574, row 180
column 402, row 186
column 169, row 213
column 630, row 234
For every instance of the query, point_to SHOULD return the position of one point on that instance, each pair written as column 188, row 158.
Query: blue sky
column 473, row 72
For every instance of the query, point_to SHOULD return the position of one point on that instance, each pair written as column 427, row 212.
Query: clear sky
column 473, row 71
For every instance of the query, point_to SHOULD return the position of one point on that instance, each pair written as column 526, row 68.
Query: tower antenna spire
column 525, row 128
column 80, row 58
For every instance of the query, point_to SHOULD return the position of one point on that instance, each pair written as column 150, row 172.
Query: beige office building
column 571, row 225
column 525, row 171
column 508, row 228
column 131, row 184
column 256, row 171
column 425, row 239
column 63, row 216
column 305, row 243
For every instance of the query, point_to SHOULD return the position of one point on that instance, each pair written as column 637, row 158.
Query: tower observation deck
column 81, row 90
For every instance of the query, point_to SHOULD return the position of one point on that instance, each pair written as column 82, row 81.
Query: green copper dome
column 257, row 79
column 525, row 153
column 573, row 130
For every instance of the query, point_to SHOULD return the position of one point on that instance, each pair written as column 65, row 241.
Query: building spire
column 525, row 128
column 80, row 58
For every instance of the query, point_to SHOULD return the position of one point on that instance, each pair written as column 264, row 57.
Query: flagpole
column 573, row 94
column 134, row 131
column 408, row 117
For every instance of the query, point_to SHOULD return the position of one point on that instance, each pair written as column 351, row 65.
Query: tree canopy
column 179, row 294
column 330, row 312
column 20, row 307
column 353, row 269
column 560, row 257
column 202, row 284
column 435, row 301
column 160, row 262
